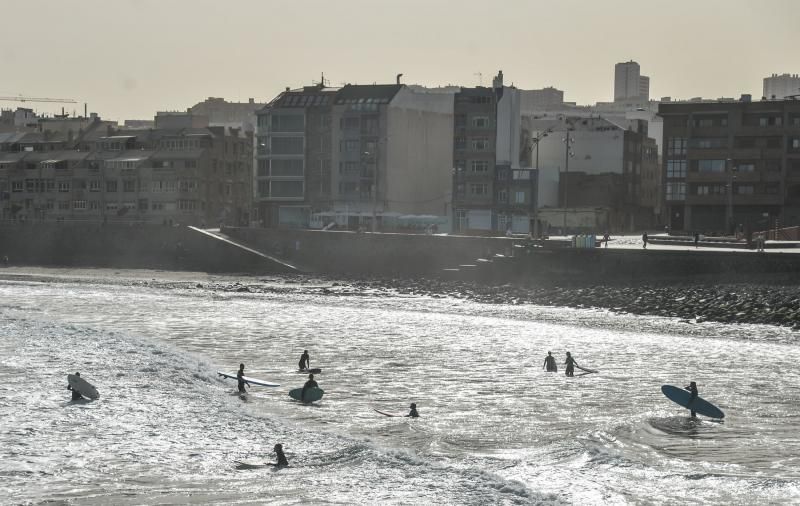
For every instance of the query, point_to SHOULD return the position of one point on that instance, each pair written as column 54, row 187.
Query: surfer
column 692, row 388
column 76, row 396
column 309, row 384
column 570, row 363
column 282, row 462
column 550, row 362
column 305, row 361
column 413, row 413
column 240, row 379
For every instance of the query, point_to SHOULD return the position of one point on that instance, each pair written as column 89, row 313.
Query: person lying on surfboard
column 692, row 388
column 241, row 381
column 550, row 363
column 305, row 361
column 309, row 384
column 413, row 413
column 570, row 363
column 76, row 396
column 282, row 462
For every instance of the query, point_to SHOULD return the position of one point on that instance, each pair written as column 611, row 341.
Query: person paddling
column 309, row 384
column 240, row 379
column 76, row 396
column 550, row 363
column 413, row 413
column 305, row 361
column 692, row 388
column 570, row 363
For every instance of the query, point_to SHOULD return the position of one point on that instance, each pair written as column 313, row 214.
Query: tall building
column 781, row 86
column 629, row 84
column 182, row 174
column 492, row 191
column 731, row 163
column 344, row 156
column 229, row 114
column 532, row 101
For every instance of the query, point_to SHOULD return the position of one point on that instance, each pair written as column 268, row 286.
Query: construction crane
column 20, row 98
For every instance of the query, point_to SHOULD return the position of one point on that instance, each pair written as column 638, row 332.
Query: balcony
column 738, row 200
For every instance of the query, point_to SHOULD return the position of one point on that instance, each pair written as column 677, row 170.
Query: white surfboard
column 586, row 369
column 83, row 387
column 252, row 381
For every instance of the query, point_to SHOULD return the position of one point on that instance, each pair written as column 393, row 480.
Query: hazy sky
column 130, row 58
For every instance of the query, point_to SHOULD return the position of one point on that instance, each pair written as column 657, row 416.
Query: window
column 111, row 186
column 744, row 142
column 676, row 191
column 461, row 120
column 346, row 188
column 711, row 165
column 774, row 142
column 746, row 167
column 263, row 168
column 281, row 168
column 129, row 185
column 63, row 186
column 479, row 166
column 716, row 121
column 30, row 185
column 710, row 143
column 519, row 197
column 287, row 189
column 262, row 147
column 676, row 169
column 50, row 204
column 460, row 143
column 676, row 146
column 349, row 123
column 288, row 122
column 187, row 205
column 772, row 188
column 165, row 186
column 190, row 164
column 263, row 188
column 16, row 186
column 480, row 121
column 63, row 205
column 369, row 126
column 94, row 185
column 744, row 189
column 112, row 206
column 129, row 204
column 79, row 205
column 94, row 205
column 348, row 168
column 480, row 144
column 287, row 145
column 768, row 121
column 479, row 189
column 710, row 189
column 794, row 144
column 502, row 196
column 187, row 186
column 773, row 165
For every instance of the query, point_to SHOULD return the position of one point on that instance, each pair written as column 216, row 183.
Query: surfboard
column 252, row 381
column 245, row 464
column 312, row 394
column 586, row 369
column 83, row 387
column 384, row 413
column 310, row 371
column 699, row 405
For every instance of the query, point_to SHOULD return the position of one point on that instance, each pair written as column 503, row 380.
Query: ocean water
column 494, row 428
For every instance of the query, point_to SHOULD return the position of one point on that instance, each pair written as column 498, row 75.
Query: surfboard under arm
column 248, row 379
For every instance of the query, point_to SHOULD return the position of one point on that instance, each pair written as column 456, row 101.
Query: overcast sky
column 130, row 58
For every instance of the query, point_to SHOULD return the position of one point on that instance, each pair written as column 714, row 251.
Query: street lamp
column 732, row 170
column 568, row 153
column 535, row 142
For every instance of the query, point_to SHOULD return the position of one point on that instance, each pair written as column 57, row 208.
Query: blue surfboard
column 699, row 405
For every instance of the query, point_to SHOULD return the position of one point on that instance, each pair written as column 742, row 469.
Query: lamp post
column 731, row 178
column 567, row 155
column 534, row 198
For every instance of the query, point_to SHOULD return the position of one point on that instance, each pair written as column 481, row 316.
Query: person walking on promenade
column 606, row 237
column 644, row 240
column 696, row 239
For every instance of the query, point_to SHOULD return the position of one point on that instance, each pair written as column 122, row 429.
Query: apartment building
column 629, row 83
column 492, row 190
column 728, row 164
column 190, row 176
column 368, row 156
column 781, row 86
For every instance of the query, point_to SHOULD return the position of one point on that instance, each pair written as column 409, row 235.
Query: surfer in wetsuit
column 76, row 396
column 413, row 413
column 282, row 462
column 570, row 363
column 692, row 388
column 305, row 361
column 309, row 384
column 240, row 379
column 550, row 363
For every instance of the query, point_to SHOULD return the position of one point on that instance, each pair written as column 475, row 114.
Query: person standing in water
column 76, row 396
column 282, row 462
column 305, row 361
column 240, row 379
column 309, row 384
column 550, row 363
column 413, row 413
column 570, row 363
column 692, row 388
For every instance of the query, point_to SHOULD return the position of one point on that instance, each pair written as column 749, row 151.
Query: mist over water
column 494, row 428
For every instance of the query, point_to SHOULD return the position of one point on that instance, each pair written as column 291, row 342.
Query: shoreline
column 745, row 303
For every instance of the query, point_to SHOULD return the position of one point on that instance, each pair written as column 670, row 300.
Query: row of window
column 676, row 146
column 94, row 185
column 461, row 121
column 677, row 191
column 474, row 143
column 475, row 166
column 142, row 205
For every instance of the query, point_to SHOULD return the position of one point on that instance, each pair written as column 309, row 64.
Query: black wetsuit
column 550, row 364
column 570, row 362
column 692, row 397
column 76, row 396
column 242, row 382
column 282, row 462
column 309, row 384
column 305, row 362
column 413, row 413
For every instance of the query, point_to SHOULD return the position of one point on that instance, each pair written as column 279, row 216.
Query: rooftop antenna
column 480, row 78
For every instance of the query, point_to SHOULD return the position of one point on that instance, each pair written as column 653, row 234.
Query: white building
column 629, row 83
column 781, row 86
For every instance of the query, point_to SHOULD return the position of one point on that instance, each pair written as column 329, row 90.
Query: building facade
column 731, row 165
column 629, row 84
column 189, row 176
column 781, row 86
column 492, row 190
